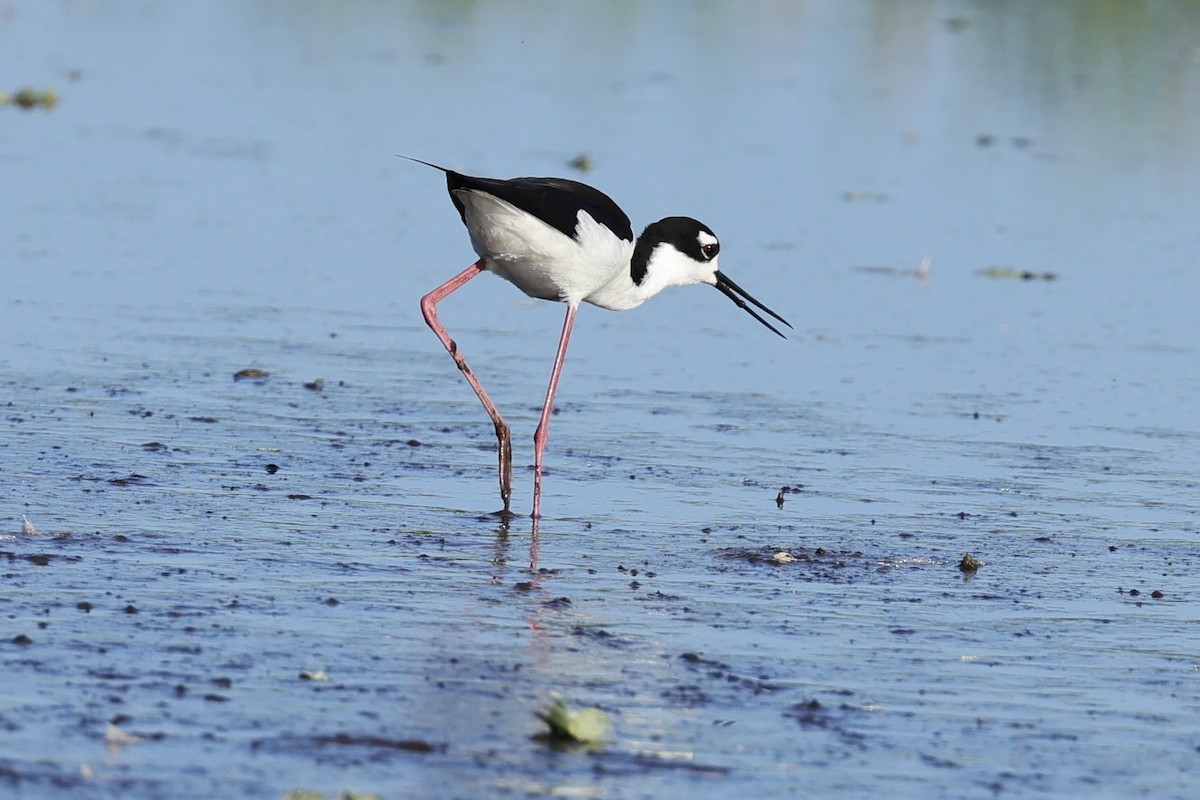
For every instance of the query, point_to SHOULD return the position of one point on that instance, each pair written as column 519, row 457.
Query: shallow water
column 217, row 190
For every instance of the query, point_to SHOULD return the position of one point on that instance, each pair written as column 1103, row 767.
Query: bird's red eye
column 710, row 250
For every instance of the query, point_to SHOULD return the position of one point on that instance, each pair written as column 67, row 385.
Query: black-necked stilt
column 562, row 240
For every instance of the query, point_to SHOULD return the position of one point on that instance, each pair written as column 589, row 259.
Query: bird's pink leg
column 429, row 309
column 543, row 429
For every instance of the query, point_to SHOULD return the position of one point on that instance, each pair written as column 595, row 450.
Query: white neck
column 666, row 267
column 619, row 294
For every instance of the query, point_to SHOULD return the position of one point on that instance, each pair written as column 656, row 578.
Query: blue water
column 218, row 189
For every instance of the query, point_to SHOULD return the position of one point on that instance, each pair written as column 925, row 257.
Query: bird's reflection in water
column 500, row 554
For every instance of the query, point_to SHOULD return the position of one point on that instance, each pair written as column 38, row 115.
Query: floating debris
column 28, row 99
column 132, row 479
column 784, row 491
column 380, row 743
column 314, row 675
column 313, row 794
column 864, row 197
column 586, row 726
column 250, row 374
column 115, row 738
column 921, row 273
column 1018, row 142
column 1008, row 273
column 783, row 557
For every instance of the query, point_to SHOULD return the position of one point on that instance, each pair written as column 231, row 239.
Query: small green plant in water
column 30, row 98
column 586, row 726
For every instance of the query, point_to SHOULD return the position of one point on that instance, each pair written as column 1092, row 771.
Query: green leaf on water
column 586, row 726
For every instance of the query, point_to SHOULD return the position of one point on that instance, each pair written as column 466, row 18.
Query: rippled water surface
column 979, row 217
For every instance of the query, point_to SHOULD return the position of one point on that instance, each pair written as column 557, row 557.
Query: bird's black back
column 555, row 201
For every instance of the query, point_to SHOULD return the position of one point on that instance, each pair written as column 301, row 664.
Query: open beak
column 740, row 296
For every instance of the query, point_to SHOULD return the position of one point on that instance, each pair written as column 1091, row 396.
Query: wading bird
column 562, row 240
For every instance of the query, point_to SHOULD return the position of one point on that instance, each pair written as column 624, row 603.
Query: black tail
column 426, row 163
column 454, row 180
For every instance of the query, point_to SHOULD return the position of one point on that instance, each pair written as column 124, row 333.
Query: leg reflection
column 533, row 546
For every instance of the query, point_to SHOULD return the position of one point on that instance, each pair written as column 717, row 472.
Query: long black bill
column 737, row 293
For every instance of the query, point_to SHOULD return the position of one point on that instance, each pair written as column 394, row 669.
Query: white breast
column 539, row 259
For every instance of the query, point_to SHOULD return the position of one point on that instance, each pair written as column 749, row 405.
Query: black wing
column 555, row 201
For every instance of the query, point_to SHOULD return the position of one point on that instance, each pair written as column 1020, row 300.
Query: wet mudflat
column 751, row 551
